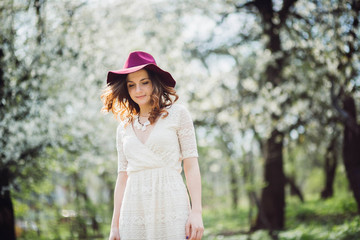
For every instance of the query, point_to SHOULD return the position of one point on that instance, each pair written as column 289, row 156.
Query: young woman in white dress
column 154, row 139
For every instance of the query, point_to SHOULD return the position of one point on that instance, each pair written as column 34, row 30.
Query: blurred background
column 272, row 86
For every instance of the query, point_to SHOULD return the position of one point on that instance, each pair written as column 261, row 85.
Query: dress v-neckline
column 150, row 133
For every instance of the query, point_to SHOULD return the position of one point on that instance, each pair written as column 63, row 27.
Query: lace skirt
column 155, row 206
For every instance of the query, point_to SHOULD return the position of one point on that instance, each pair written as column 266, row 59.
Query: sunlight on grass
column 331, row 219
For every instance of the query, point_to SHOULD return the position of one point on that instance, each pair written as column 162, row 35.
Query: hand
column 114, row 234
column 194, row 227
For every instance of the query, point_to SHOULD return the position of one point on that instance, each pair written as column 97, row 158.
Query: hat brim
column 118, row 75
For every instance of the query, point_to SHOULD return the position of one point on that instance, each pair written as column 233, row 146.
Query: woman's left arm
column 194, row 226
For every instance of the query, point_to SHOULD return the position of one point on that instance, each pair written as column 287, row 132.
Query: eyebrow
column 140, row 80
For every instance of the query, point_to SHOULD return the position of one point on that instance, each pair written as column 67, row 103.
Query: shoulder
column 180, row 114
column 122, row 126
column 177, row 109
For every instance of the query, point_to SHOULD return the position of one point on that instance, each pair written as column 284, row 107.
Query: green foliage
column 53, row 136
column 225, row 220
column 331, row 219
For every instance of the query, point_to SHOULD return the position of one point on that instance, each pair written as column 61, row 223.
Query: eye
column 147, row 82
column 130, row 85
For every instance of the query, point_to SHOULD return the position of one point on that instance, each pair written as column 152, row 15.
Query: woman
column 154, row 138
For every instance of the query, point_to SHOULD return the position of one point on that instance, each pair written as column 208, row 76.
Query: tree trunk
column 248, row 176
column 7, row 220
column 272, row 203
column 330, row 169
column 294, row 189
column 351, row 151
column 234, row 186
column 81, row 227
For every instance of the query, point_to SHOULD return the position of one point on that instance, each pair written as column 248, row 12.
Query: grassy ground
column 332, row 219
column 315, row 219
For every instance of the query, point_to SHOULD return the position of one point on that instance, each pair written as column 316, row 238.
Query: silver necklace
column 141, row 126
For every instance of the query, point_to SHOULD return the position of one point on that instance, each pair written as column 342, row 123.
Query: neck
column 145, row 110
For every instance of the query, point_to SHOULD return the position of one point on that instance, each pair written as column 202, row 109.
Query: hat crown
column 139, row 58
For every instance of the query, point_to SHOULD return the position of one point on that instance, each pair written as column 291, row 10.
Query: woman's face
column 139, row 87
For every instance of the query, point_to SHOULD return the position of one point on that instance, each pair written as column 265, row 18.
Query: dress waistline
column 171, row 169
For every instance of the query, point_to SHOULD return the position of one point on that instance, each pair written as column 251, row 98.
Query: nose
column 138, row 88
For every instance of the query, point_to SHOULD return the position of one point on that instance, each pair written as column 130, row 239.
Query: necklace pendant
column 145, row 125
column 141, row 126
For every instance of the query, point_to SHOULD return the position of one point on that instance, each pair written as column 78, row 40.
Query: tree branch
column 344, row 115
column 245, row 5
column 284, row 12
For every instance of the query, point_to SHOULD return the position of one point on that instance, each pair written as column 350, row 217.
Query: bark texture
column 7, row 221
column 272, row 203
column 330, row 169
column 351, row 151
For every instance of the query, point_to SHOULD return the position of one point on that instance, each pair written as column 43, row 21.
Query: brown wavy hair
column 116, row 99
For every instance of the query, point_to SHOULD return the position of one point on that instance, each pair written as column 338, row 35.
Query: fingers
column 201, row 232
column 187, row 230
column 114, row 235
column 193, row 233
column 196, row 233
column 114, row 238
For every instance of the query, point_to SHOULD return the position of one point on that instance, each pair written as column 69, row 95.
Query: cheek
column 131, row 92
column 150, row 89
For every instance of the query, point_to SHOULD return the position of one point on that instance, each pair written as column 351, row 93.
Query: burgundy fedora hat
column 138, row 60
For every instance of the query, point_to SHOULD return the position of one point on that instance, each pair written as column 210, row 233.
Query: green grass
column 315, row 219
column 225, row 221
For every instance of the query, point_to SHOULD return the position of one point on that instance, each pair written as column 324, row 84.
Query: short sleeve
column 122, row 162
column 186, row 134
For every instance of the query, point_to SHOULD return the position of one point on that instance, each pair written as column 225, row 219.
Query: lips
column 141, row 96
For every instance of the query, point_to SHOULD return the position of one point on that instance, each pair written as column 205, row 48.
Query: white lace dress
column 155, row 203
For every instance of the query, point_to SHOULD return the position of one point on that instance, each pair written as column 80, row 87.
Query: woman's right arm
column 118, row 197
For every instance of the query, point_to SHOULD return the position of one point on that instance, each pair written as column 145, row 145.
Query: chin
column 143, row 103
